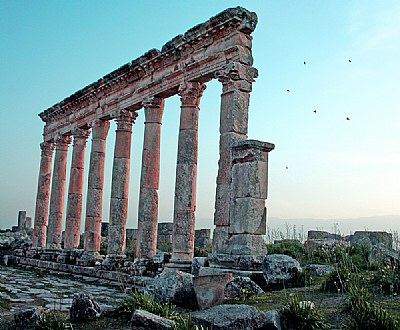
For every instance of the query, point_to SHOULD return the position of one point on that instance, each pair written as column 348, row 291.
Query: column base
column 114, row 261
column 50, row 254
column 69, row 256
column 182, row 265
column 89, row 259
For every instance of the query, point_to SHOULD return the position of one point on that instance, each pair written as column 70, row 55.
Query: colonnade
column 50, row 204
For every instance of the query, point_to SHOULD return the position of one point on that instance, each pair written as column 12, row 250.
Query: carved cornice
column 197, row 38
column 191, row 92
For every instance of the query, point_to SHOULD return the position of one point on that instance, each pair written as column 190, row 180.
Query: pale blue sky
column 336, row 168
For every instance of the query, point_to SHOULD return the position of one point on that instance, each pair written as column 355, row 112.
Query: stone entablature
column 220, row 46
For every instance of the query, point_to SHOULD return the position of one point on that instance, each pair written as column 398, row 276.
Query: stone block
column 197, row 264
column 210, row 289
column 28, row 223
column 220, row 239
column 104, row 229
column 96, row 171
column 226, row 141
column 22, row 219
column 188, row 146
column 131, row 234
column 234, row 112
column 246, row 244
column 222, row 205
column 251, row 150
column 122, row 144
column 189, row 118
column 185, row 187
column 250, row 179
column 248, row 216
column 202, row 238
column 120, row 178
column 145, row 320
column 165, row 228
column 94, row 200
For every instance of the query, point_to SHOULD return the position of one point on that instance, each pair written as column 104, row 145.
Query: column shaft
column 186, row 175
column 56, row 213
column 94, row 201
column 146, row 243
column 120, row 184
column 43, row 196
column 74, row 204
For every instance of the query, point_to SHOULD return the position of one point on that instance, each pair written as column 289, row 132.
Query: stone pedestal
column 94, row 202
column 43, row 196
column 149, row 183
column 120, row 186
column 245, row 246
column 186, row 177
column 54, row 230
column 74, row 205
column 236, row 79
column 21, row 220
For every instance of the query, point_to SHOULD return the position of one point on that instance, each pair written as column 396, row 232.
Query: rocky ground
column 21, row 289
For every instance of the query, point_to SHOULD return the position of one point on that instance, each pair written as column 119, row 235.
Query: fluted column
column 236, row 79
column 120, row 185
column 146, row 243
column 186, row 176
column 43, row 196
column 94, row 201
column 54, row 230
column 74, row 204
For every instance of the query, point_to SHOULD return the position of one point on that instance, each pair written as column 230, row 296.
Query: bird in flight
column 304, row 62
column 350, row 61
column 315, row 111
column 287, row 167
column 288, row 90
column 347, row 118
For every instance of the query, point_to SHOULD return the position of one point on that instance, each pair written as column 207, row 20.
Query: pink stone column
column 236, row 79
column 120, row 185
column 43, row 196
column 94, row 201
column 186, row 177
column 54, row 230
column 74, row 204
column 146, row 243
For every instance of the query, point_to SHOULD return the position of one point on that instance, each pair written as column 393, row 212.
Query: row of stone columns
column 185, row 190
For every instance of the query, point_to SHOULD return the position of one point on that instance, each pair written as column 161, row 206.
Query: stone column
column 146, row 244
column 43, row 196
column 120, row 186
column 21, row 220
column 94, row 201
column 74, row 204
column 186, row 177
column 54, row 230
column 236, row 79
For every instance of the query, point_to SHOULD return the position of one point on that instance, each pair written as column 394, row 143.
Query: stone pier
column 56, row 212
column 220, row 48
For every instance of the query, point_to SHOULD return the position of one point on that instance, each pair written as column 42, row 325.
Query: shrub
column 302, row 316
column 293, row 249
column 366, row 314
column 387, row 278
column 53, row 320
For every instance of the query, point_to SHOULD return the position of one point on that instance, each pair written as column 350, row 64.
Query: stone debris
column 174, row 286
column 28, row 318
column 280, row 270
column 143, row 320
column 236, row 317
column 242, row 287
column 319, row 270
column 84, row 308
column 380, row 253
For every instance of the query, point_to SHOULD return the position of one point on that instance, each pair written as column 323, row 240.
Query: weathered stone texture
column 84, row 308
column 145, row 320
column 210, row 290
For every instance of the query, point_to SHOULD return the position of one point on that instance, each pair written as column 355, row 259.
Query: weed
column 298, row 315
column 54, row 320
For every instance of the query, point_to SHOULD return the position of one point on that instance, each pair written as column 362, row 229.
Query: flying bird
column 287, row 167
column 304, row 62
column 347, row 118
column 315, row 111
column 288, row 90
column 349, row 60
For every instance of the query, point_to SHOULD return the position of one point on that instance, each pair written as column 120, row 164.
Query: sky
column 323, row 166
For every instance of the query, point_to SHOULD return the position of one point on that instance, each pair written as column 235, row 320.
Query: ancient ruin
column 217, row 49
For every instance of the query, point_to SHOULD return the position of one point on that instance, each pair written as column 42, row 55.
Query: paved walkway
column 24, row 288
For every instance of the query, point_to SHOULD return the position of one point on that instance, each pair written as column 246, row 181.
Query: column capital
column 47, row 148
column 153, row 102
column 125, row 119
column 100, row 128
column 237, row 76
column 80, row 133
column 191, row 92
column 62, row 140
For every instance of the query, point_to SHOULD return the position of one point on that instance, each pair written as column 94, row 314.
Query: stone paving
column 24, row 288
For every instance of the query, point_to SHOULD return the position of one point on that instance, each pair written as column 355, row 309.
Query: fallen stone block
column 146, row 320
column 28, row 318
column 241, row 288
column 84, row 308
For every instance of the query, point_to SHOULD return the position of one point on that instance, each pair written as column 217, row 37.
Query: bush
column 53, row 321
column 302, row 316
column 366, row 314
column 387, row 278
column 293, row 249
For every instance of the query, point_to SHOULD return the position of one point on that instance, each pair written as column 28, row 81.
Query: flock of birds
column 315, row 111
